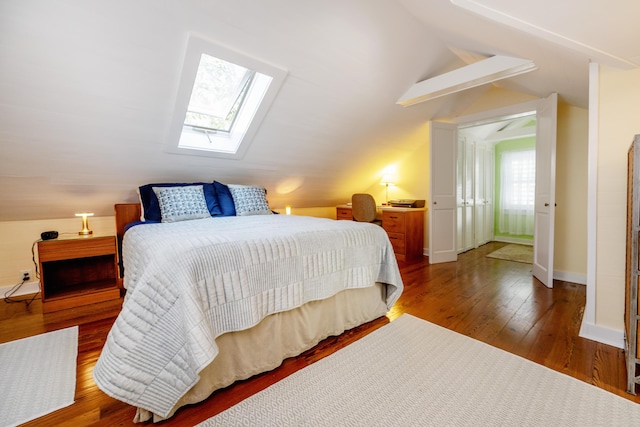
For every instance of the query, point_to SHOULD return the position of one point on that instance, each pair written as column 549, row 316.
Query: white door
column 489, row 171
column 460, row 194
column 469, row 194
column 465, row 198
column 464, row 194
column 474, row 192
column 480, row 212
column 544, row 210
column 442, row 206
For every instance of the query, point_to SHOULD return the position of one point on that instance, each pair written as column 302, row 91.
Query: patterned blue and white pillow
column 249, row 200
column 182, row 203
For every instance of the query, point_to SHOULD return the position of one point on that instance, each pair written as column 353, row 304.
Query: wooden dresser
column 632, row 273
column 404, row 226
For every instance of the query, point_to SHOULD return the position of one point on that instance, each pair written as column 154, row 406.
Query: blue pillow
column 225, row 199
column 182, row 203
column 151, row 207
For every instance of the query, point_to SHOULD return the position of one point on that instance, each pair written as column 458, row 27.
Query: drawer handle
column 392, row 216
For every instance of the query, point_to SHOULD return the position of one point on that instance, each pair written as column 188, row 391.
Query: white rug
column 412, row 372
column 37, row 375
column 514, row 252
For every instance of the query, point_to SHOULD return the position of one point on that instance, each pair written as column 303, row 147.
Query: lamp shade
column 85, row 223
column 387, row 180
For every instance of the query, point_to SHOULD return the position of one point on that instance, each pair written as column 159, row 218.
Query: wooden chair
column 363, row 208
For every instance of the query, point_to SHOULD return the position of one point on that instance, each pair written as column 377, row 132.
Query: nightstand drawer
column 398, row 242
column 393, row 222
column 344, row 213
column 55, row 250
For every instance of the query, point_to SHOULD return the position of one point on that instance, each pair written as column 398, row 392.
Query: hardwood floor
column 491, row 300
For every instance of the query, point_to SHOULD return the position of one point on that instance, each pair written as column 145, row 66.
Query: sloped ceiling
column 87, row 90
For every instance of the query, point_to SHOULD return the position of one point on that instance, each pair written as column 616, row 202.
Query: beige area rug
column 513, row 252
column 37, row 375
column 414, row 373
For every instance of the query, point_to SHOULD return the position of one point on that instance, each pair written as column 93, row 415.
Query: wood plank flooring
column 492, row 300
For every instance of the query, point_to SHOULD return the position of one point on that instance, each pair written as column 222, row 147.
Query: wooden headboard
column 125, row 213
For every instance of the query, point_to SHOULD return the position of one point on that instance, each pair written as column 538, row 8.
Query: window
column 518, row 179
column 222, row 98
column 218, row 92
column 517, row 192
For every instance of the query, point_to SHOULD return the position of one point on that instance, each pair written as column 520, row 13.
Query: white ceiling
column 87, row 88
column 585, row 26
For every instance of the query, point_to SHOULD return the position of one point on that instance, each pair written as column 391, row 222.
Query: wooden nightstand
column 344, row 212
column 77, row 271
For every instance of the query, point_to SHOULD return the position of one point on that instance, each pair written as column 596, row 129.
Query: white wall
column 618, row 122
column 570, row 248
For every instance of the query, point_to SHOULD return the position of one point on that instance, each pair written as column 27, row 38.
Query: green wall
column 501, row 147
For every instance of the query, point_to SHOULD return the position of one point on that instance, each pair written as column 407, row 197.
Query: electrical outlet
column 25, row 275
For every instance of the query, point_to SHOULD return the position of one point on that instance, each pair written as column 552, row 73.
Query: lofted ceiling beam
column 479, row 73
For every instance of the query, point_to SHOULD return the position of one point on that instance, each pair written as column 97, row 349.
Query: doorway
column 442, row 166
column 496, row 182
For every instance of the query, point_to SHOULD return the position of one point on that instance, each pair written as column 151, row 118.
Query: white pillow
column 182, row 203
column 249, row 200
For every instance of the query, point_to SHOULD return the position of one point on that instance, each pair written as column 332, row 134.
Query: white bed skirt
column 256, row 350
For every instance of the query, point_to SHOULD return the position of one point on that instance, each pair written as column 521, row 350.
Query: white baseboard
column 580, row 279
column 602, row 334
column 25, row 289
column 513, row 240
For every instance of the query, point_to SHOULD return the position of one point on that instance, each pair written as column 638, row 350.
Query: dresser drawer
column 398, row 242
column 393, row 222
column 344, row 213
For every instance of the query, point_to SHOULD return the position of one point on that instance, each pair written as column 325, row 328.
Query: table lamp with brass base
column 85, row 224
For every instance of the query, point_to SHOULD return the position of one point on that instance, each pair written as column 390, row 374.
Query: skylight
column 218, row 93
column 222, row 98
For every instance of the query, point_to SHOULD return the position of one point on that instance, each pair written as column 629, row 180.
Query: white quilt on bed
column 191, row 281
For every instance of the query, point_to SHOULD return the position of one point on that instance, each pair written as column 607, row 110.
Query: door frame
column 502, row 113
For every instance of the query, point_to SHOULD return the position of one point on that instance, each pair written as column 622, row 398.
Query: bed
column 213, row 300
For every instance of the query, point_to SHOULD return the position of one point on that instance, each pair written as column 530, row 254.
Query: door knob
column 435, row 203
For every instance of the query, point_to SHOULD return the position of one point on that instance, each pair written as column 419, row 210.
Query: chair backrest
column 363, row 207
